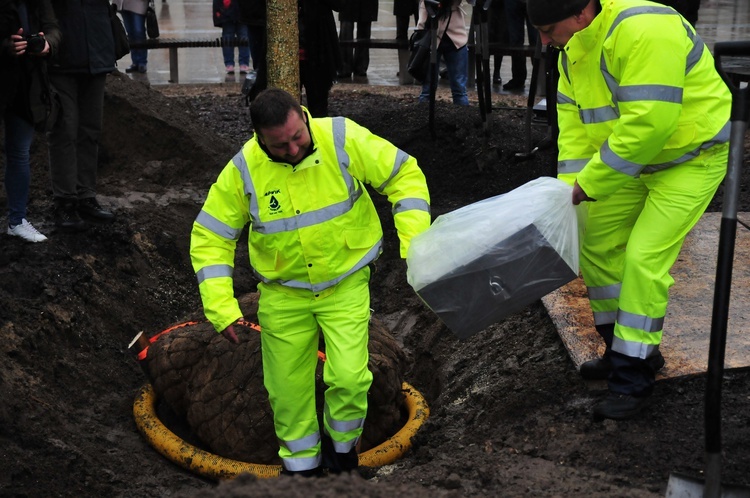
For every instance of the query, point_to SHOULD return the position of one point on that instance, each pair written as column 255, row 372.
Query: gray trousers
column 74, row 141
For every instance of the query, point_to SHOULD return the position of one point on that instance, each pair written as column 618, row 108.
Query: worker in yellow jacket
column 644, row 131
column 299, row 183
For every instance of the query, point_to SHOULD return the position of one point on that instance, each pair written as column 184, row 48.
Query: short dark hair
column 271, row 108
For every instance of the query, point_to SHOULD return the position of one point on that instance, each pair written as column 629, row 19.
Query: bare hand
column 579, row 195
column 230, row 335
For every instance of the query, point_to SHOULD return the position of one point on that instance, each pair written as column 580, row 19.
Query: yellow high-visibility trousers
column 632, row 239
column 291, row 321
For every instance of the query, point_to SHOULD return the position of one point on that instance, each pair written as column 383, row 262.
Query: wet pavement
column 719, row 20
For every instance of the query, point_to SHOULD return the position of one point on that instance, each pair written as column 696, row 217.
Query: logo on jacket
column 274, row 205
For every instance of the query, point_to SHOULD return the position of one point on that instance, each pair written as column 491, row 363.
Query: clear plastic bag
column 480, row 263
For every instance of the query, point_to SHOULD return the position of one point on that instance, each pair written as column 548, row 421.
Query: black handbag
column 152, row 24
column 122, row 46
column 419, row 58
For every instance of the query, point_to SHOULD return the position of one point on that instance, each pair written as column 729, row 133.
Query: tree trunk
column 283, row 46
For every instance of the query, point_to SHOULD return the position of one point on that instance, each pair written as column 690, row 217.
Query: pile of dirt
column 509, row 413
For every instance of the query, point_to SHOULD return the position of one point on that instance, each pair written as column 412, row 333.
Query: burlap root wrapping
column 217, row 387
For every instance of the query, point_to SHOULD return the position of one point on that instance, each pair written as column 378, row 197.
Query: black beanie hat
column 545, row 12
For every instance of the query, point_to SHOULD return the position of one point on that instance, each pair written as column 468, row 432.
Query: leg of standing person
column 457, row 63
column 243, row 51
column 228, row 32
column 362, row 54
column 346, row 32
column 63, row 159
column 402, row 27
column 255, row 35
column 515, row 11
column 317, row 86
column 19, row 134
column 135, row 25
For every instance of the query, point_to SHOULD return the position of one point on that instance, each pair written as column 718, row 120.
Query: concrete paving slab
column 687, row 326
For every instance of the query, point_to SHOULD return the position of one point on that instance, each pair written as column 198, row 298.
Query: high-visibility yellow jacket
column 310, row 225
column 638, row 92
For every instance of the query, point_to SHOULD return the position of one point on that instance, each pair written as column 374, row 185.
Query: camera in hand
column 35, row 44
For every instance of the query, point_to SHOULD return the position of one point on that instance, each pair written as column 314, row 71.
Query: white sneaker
column 27, row 232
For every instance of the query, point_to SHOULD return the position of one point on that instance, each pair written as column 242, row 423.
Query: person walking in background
column 518, row 27
column 24, row 98
column 253, row 15
column 404, row 10
column 363, row 13
column 644, row 131
column 226, row 15
column 133, row 14
column 288, row 184
column 78, row 72
column 452, row 39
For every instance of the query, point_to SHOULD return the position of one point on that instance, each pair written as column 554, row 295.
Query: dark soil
column 509, row 414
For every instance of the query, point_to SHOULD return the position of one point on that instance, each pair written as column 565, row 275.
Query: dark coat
column 318, row 35
column 226, row 11
column 253, row 12
column 359, row 11
column 88, row 46
column 406, row 8
column 24, row 84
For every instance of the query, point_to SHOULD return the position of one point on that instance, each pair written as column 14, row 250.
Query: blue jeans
column 229, row 31
column 19, row 134
column 457, row 63
column 135, row 25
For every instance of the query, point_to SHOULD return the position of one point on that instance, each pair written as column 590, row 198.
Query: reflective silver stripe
column 564, row 99
column 564, row 63
column 214, row 271
column 662, row 93
column 571, row 165
column 696, row 52
column 401, row 158
column 633, row 349
column 218, row 227
column 241, row 164
column 640, row 322
column 410, row 204
column 300, row 464
column 339, row 142
column 721, row 138
column 638, row 11
column 308, row 219
column 345, row 447
column 605, row 291
column 604, row 317
column 371, row 255
column 343, row 425
column 301, row 444
column 617, row 163
column 598, row 115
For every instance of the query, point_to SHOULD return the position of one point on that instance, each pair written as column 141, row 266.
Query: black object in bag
column 152, row 25
column 419, row 59
column 122, row 46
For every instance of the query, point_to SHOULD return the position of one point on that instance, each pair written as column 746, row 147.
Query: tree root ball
column 217, row 386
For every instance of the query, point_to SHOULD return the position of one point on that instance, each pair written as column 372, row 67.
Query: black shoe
column 66, row 216
column 619, row 407
column 316, row 472
column 514, row 84
column 496, row 80
column 343, row 76
column 90, row 209
column 336, row 463
column 596, row 369
column 136, row 68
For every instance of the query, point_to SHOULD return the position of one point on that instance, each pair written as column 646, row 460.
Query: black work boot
column 336, row 463
column 599, row 368
column 619, row 407
column 90, row 210
column 66, row 216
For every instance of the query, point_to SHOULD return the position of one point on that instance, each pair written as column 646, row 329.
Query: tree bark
column 283, row 46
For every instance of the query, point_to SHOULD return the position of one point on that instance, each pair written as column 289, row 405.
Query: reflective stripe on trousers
column 291, row 320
